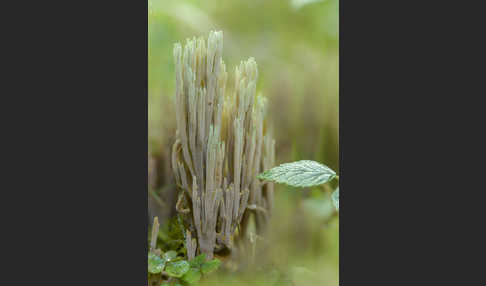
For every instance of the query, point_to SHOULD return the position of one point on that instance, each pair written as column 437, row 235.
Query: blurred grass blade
column 335, row 198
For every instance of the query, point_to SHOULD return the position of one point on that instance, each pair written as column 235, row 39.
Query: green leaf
column 192, row 276
column 169, row 255
column 335, row 198
column 177, row 268
column 210, row 266
column 303, row 173
column 319, row 208
column 198, row 260
column 155, row 263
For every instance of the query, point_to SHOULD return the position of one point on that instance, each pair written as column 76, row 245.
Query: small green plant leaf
column 155, row 263
column 192, row 276
column 210, row 266
column 319, row 208
column 335, row 198
column 303, row 173
column 198, row 260
column 169, row 255
column 177, row 268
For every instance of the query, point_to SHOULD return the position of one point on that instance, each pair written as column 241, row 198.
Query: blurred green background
column 295, row 44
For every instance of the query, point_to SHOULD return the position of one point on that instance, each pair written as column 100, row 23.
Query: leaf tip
column 262, row 176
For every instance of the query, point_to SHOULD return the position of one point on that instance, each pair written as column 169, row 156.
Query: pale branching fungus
column 221, row 145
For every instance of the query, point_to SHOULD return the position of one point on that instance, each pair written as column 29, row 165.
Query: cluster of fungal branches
column 221, row 145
